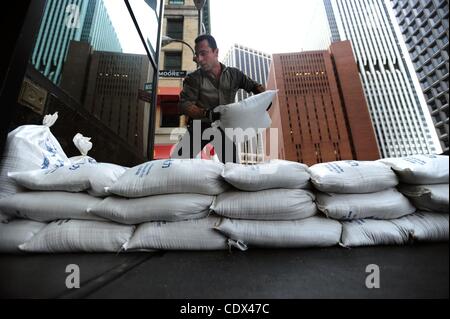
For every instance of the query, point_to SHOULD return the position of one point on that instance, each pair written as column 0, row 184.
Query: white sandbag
column 310, row 232
column 49, row 206
column 424, row 226
column 171, row 176
column 352, row 177
column 432, row 198
column 16, row 233
column 170, row 207
column 66, row 236
column 369, row 232
column 86, row 175
column 420, row 169
column 272, row 204
column 387, row 204
column 249, row 114
column 198, row 234
column 273, row 174
column 29, row 147
column 4, row 218
column 7, row 185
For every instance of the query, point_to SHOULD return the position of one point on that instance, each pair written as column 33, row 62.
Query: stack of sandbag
column 349, row 190
column 170, row 202
column 360, row 194
column 424, row 180
column 420, row 226
column 82, row 174
column 64, row 193
column 272, row 205
column 29, row 147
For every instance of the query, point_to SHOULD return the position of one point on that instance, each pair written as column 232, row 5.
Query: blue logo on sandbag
column 46, row 163
column 167, row 163
column 144, row 170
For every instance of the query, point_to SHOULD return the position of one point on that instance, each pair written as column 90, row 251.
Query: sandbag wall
column 79, row 205
column 272, row 205
column 365, row 197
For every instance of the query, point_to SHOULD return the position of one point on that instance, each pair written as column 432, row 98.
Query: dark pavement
column 415, row 271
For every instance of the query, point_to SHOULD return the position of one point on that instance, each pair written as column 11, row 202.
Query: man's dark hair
column 211, row 41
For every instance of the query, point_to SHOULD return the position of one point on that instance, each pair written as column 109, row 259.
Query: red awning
column 163, row 151
column 168, row 93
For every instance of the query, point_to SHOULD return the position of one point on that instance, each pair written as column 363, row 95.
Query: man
column 213, row 84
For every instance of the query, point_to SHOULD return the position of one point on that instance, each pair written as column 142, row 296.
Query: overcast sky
column 266, row 25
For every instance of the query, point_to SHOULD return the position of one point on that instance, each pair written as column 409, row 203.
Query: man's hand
column 195, row 112
column 259, row 89
column 212, row 116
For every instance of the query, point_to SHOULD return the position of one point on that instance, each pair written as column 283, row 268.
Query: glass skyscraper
column 424, row 25
column 402, row 123
column 66, row 20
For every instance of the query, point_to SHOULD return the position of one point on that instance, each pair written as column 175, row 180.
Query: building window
column 172, row 61
column 176, row 2
column 175, row 28
column 170, row 116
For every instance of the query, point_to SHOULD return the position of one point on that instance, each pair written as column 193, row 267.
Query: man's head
column 206, row 51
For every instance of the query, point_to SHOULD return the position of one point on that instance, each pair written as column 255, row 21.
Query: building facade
column 402, row 123
column 176, row 60
column 256, row 65
column 424, row 25
column 66, row 20
column 320, row 111
column 107, row 85
column 253, row 63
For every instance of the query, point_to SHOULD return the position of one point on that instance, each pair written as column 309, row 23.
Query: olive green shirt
column 204, row 90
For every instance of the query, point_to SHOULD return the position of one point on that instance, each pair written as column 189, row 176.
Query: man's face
column 206, row 57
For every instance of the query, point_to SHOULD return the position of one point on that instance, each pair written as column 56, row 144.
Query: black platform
column 416, row 271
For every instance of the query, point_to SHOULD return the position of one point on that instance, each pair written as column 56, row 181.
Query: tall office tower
column 334, row 36
column 320, row 111
column 66, row 20
column 107, row 85
column 254, row 64
column 206, row 18
column 402, row 123
column 424, row 25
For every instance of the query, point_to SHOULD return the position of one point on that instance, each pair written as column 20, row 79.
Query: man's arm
column 251, row 86
column 189, row 98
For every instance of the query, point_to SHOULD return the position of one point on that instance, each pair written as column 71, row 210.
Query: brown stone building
column 320, row 111
column 107, row 84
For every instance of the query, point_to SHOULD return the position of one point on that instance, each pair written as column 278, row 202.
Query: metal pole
column 199, row 22
column 152, row 119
